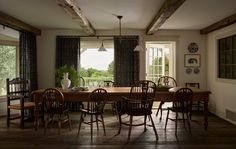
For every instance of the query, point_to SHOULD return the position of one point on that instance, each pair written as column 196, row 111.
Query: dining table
column 116, row 94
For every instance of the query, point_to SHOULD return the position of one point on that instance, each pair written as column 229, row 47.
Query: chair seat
column 27, row 105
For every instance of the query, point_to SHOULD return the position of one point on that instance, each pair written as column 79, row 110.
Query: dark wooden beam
column 220, row 24
column 166, row 10
column 16, row 24
column 72, row 8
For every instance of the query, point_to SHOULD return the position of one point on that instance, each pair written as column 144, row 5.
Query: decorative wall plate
column 188, row 70
column 193, row 47
column 196, row 70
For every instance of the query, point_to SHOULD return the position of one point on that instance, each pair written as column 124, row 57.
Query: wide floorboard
column 220, row 134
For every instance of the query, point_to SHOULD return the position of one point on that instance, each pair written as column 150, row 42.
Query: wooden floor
column 220, row 134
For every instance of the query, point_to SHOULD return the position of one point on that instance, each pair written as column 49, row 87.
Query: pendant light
column 102, row 48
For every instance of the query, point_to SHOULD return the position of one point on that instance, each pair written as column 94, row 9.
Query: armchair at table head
column 18, row 89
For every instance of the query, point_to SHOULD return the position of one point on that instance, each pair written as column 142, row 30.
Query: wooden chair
column 182, row 104
column 139, row 103
column 109, row 83
column 18, row 98
column 95, row 107
column 196, row 104
column 165, row 81
column 53, row 105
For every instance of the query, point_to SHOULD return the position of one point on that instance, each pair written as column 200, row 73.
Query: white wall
column 182, row 39
column 223, row 90
column 47, row 41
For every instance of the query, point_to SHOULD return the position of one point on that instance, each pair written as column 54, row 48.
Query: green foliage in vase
column 73, row 75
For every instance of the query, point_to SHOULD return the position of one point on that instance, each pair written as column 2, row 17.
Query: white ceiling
column 137, row 14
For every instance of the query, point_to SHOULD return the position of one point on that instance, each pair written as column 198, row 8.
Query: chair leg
column 81, row 120
column 103, row 125
column 167, row 117
column 69, row 121
column 145, row 119
column 46, row 124
column 176, row 121
column 153, row 125
column 91, row 127
column 96, row 116
column 119, row 116
column 8, row 117
column 160, row 109
column 188, row 120
column 130, row 126
column 22, row 119
column 59, row 124
column 183, row 119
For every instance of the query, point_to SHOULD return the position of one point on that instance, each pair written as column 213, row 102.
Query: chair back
column 18, row 87
column 107, row 83
column 82, row 81
column 141, row 97
column 97, row 101
column 183, row 100
column 192, row 84
column 53, row 101
column 167, row 81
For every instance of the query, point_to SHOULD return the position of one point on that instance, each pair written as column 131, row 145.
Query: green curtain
column 126, row 60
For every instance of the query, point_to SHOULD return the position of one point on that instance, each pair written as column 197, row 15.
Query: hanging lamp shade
column 139, row 48
column 102, row 48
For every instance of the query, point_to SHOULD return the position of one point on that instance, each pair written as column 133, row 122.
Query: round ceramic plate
column 196, row 70
column 193, row 47
column 188, row 70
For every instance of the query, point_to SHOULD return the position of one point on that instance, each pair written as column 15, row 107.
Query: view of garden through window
column 7, row 65
column 97, row 66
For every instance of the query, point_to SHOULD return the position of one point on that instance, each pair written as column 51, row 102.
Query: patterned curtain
column 126, row 61
column 28, row 58
column 67, row 51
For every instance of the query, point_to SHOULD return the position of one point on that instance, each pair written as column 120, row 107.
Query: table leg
column 36, row 116
column 206, row 114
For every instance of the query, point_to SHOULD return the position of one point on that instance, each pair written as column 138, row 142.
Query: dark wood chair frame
column 139, row 103
column 18, row 89
column 182, row 104
column 53, row 105
column 95, row 107
column 198, row 104
column 165, row 81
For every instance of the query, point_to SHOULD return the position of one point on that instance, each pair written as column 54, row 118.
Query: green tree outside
column 7, row 65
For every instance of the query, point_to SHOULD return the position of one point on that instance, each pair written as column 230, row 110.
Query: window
column 227, row 57
column 8, row 63
column 159, row 59
column 96, row 66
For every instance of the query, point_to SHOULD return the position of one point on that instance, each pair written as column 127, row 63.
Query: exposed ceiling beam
column 16, row 24
column 166, row 10
column 220, row 24
column 72, row 8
